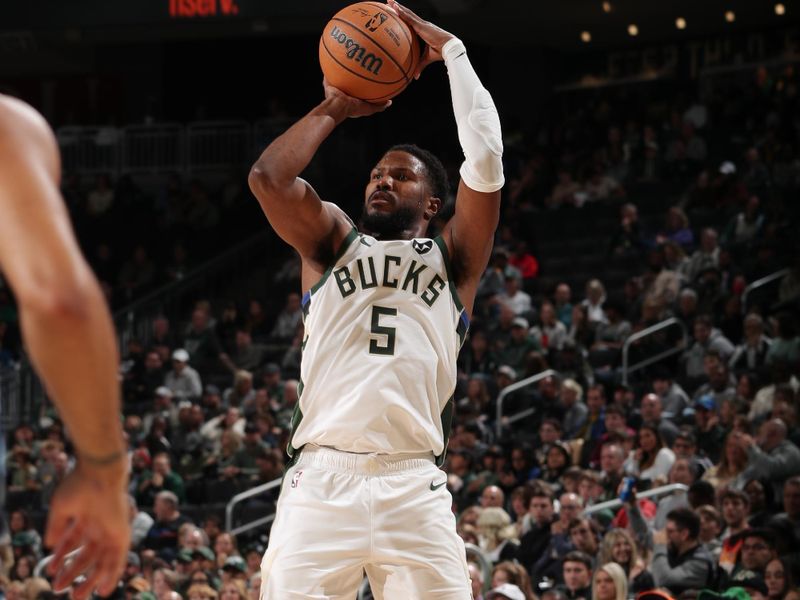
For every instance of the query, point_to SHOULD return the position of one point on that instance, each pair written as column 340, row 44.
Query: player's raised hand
column 89, row 511
column 354, row 107
column 434, row 37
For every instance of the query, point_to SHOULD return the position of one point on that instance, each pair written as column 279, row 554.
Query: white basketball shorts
column 341, row 514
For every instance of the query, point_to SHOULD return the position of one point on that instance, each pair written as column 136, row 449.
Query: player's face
column 397, row 194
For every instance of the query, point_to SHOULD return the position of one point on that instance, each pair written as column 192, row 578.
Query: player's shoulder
column 19, row 122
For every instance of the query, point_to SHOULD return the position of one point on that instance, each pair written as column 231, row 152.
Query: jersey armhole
column 450, row 279
column 346, row 243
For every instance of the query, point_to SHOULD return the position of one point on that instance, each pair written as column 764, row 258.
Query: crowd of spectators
column 209, row 395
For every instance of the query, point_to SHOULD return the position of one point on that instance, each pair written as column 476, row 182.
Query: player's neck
column 404, row 234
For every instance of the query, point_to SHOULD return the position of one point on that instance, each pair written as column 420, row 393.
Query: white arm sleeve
column 477, row 120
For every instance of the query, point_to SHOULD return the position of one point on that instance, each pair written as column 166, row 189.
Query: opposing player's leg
column 417, row 553
column 319, row 540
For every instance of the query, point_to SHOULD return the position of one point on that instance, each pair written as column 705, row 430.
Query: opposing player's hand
column 89, row 511
column 353, row 106
column 434, row 37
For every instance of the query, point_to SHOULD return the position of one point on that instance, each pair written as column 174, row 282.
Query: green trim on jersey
column 447, row 425
column 450, row 280
column 297, row 416
column 348, row 240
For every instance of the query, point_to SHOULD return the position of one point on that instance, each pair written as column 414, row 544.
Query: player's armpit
column 296, row 213
column 471, row 231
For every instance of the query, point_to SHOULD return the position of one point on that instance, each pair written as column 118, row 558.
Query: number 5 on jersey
column 380, row 330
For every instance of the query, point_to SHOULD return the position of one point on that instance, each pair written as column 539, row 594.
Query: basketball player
column 385, row 313
column 70, row 339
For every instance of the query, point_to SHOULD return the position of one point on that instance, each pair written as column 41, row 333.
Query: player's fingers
column 84, row 590
column 110, row 567
column 82, row 561
column 405, row 12
column 69, row 540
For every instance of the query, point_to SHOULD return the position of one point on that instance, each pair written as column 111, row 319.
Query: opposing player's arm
column 313, row 227
column 66, row 324
column 470, row 233
column 70, row 338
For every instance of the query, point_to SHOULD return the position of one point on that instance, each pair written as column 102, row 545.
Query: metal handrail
column 626, row 370
column 472, row 549
column 664, row 490
column 761, row 283
column 259, row 489
column 37, row 570
column 485, row 564
column 513, row 388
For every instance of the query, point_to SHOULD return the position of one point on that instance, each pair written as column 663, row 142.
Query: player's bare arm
column 70, row 338
column 312, row 227
column 470, row 233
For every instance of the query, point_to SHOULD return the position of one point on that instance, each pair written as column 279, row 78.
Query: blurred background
column 647, row 250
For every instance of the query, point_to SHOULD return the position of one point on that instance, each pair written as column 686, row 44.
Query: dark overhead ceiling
column 546, row 23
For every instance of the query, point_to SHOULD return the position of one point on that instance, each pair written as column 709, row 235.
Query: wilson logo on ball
column 355, row 52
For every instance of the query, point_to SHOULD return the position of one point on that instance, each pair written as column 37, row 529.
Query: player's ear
column 433, row 207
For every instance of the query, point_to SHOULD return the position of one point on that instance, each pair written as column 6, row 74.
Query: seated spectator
column 287, row 321
column 706, row 338
column 745, row 226
column 731, row 465
column 609, row 583
column 735, row 508
column 618, row 546
column 574, row 410
column 771, row 456
column 610, row 336
column 525, row 262
column 676, row 229
column 706, row 256
column 680, row 562
column 751, row 354
column 183, row 380
column 518, row 346
column 564, row 192
column 651, row 460
column 652, row 413
column 549, row 564
column 513, row 295
column 248, row 355
column 680, row 472
column 674, row 399
column 685, row 446
column 711, row 525
column 595, row 297
column 550, row 333
column 786, row 344
column 241, row 394
column 779, row 580
column 497, row 534
column 581, row 331
column 161, row 478
column 627, row 241
column 536, row 539
column 721, row 385
column 583, row 536
column 577, row 575
column 163, row 535
column 599, row 187
column 562, row 303
column 512, row 573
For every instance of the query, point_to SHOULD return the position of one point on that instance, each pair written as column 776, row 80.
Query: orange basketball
column 368, row 52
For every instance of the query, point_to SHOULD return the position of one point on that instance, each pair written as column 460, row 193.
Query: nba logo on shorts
column 296, row 479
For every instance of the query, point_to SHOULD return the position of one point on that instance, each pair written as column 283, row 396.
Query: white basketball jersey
column 383, row 328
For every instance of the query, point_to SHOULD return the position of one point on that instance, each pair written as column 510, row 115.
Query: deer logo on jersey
column 422, row 247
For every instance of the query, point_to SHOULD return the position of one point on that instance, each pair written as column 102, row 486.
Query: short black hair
column 580, row 557
column 437, row 174
column 686, row 518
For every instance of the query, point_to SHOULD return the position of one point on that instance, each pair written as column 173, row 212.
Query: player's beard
column 388, row 226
